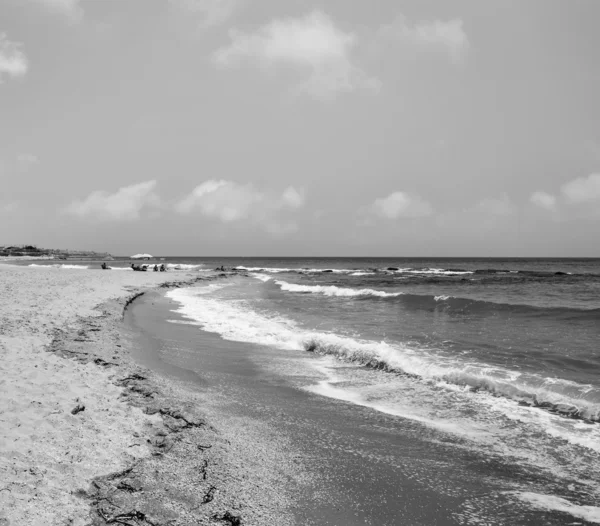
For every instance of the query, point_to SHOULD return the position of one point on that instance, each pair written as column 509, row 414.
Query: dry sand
column 50, row 453
column 47, row 453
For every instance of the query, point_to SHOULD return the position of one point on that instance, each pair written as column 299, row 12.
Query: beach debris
column 228, row 517
column 130, row 485
column 77, row 409
column 209, row 495
column 203, row 469
column 182, row 421
column 103, row 363
column 133, row 376
column 124, row 518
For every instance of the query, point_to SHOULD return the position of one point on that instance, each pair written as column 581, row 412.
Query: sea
column 491, row 365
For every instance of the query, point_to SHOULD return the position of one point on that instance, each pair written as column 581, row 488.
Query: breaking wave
column 332, row 290
column 183, row 266
column 235, row 321
column 450, row 304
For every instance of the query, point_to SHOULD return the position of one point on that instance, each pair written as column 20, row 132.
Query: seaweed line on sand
column 189, row 476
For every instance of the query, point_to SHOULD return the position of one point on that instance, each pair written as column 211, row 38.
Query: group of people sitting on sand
column 144, row 268
column 140, row 268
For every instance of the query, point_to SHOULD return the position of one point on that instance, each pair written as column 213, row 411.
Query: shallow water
column 461, row 396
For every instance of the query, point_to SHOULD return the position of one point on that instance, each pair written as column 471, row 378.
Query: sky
column 294, row 128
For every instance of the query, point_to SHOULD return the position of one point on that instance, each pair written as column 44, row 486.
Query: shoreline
column 85, row 431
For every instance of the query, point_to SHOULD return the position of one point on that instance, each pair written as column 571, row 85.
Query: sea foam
column 237, row 321
column 332, row 290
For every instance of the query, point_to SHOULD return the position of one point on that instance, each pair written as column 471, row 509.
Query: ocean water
column 504, row 354
column 498, row 357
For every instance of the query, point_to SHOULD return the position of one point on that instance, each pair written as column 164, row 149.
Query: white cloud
column 125, row 204
column 582, row 189
column 400, row 204
column 13, row 62
column 543, row 200
column 447, row 37
column 27, row 160
column 231, row 202
column 8, row 208
column 292, row 198
column 211, row 12
column 311, row 43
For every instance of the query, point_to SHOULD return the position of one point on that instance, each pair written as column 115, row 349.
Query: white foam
column 209, row 289
column 332, row 290
column 326, row 388
column 261, row 277
column 61, row 266
column 183, row 266
column 277, row 270
column 554, row 503
column 263, row 269
column 362, row 274
column 436, row 271
column 237, row 321
column 441, row 298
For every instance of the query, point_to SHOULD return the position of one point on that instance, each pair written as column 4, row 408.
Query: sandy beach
column 86, row 437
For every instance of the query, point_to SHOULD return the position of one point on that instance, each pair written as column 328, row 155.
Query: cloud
column 125, row 204
column 311, row 44
column 8, row 208
column 400, row 205
column 230, row 202
column 292, row 198
column 13, row 62
column 447, row 37
column 211, row 12
column 27, row 160
column 582, row 189
column 543, row 200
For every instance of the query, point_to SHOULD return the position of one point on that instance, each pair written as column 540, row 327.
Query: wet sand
column 355, row 465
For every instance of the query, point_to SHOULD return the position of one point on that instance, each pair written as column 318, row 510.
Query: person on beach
column 162, row 268
column 104, row 267
column 155, row 268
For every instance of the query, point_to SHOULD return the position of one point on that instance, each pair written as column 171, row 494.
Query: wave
column 261, row 277
column 450, row 304
column 62, row 266
column 332, row 290
column 426, row 272
column 468, row 306
column 236, row 321
column 435, row 271
column 277, row 270
column 183, row 266
column 543, row 502
column 441, row 298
